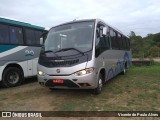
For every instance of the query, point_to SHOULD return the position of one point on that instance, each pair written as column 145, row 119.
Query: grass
column 137, row 90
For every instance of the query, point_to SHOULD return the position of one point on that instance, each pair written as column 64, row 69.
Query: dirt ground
column 27, row 97
column 32, row 97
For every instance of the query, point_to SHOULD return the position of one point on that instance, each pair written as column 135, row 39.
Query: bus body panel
column 112, row 61
column 89, row 79
column 25, row 56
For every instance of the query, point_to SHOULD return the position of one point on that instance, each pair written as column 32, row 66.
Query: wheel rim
column 100, row 84
column 13, row 77
column 124, row 70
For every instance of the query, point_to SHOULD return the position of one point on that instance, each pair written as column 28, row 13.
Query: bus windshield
column 74, row 35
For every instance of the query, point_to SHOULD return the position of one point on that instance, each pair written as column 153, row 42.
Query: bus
column 19, row 51
column 83, row 54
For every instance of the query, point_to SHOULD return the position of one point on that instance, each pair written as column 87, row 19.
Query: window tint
column 33, row 37
column 124, row 43
column 120, row 41
column 128, row 43
column 30, row 37
column 16, row 35
column 102, row 42
column 38, row 35
column 114, row 42
column 4, row 34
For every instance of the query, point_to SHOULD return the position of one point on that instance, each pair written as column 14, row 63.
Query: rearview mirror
column 104, row 32
column 41, row 41
column 43, row 38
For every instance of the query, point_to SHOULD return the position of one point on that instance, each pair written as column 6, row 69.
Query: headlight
column 84, row 72
column 41, row 73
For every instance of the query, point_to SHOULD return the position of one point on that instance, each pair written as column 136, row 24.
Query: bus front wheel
column 98, row 90
column 12, row 77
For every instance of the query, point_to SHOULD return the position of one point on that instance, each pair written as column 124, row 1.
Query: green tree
column 156, row 39
column 148, row 46
column 154, row 51
column 137, row 45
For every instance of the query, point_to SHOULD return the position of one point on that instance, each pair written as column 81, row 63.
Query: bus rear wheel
column 124, row 69
column 12, row 77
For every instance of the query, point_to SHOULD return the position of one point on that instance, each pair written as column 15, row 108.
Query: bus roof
column 13, row 22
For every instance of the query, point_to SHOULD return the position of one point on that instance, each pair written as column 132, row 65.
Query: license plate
column 59, row 81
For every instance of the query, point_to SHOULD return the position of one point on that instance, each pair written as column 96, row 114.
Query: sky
column 140, row 16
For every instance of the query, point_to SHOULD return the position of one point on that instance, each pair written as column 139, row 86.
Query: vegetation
column 143, row 47
column 138, row 90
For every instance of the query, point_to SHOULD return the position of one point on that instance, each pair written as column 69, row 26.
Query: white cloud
column 141, row 16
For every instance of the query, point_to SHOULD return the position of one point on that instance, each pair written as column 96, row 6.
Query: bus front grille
column 53, row 63
column 64, row 63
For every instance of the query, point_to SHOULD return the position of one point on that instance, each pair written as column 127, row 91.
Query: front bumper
column 88, row 81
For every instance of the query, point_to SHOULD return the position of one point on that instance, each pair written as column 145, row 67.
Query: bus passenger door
column 102, row 47
column 34, row 59
column 30, row 68
column 33, row 41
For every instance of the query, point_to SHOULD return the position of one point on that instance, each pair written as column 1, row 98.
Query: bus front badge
column 58, row 70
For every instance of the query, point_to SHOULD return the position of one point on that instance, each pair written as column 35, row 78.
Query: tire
column 98, row 90
column 124, row 71
column 12, row 77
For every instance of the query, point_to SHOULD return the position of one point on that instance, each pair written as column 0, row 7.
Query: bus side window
column 30, row 37
column 114, row 42
column 128, row 44
column 102, row 42
column 4, row 34
column 120, row 41
column 16, row 35
column 124, row 43
column 38, row 34
column 33, row 37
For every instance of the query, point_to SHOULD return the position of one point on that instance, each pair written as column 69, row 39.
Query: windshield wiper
column 48, row 51
column 66, row 49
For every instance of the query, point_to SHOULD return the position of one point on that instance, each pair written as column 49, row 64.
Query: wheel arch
column 102, row 71
column 13, row 65
column 126, row 64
